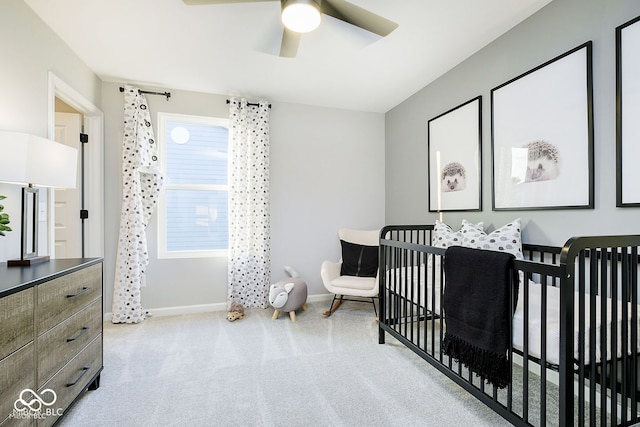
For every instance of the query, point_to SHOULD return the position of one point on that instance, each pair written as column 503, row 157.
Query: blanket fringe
column 493, row 366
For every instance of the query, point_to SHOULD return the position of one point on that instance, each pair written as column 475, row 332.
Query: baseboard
column 207, row 308
column 320, row 298
column 178, row 310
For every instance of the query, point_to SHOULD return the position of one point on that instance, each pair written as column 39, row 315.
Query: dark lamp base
column 27, row 261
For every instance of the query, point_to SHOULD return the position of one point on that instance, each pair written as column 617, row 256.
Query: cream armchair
column 354, row 279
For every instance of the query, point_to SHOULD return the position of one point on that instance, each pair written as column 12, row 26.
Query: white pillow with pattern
column 507, row 238
column 444, row 236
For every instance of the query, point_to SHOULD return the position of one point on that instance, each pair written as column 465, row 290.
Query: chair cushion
column 353, row 282
column 358, row 260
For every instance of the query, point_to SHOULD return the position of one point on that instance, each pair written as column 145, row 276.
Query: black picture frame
column 627, row 113
column 542, row 136
column 454, row 149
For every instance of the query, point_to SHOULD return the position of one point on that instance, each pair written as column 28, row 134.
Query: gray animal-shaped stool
column 288, row 295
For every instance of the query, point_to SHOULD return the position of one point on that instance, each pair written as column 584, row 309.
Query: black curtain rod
column 167, row 94
column 251, row 104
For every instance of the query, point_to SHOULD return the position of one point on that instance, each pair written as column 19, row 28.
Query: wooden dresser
column 50, row 338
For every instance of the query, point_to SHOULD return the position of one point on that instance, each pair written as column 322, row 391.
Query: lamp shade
column 30, row 159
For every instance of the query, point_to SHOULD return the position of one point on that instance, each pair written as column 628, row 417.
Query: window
column 192, row 211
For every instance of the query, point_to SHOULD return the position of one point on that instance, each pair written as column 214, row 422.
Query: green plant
column 4, row 219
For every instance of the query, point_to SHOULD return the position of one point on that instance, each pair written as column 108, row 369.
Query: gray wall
column 555, row 29
column 28, row 51
column 327, row 171
column 327, row 166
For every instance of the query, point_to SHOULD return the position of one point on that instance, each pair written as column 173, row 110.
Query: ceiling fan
column 301, row 16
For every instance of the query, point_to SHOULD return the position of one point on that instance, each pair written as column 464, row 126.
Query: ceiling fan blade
column 290, row 42
column 358, row 16
column 198, row 2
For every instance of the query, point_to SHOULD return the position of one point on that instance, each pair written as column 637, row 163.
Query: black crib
column 596, row 384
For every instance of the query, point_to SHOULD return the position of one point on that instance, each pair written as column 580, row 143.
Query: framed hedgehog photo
column 454, row 140
column 627, row 113
column 542, row 136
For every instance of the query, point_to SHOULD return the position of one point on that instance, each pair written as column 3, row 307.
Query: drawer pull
column 84, row 371
column 80, row 292
column 81, row 333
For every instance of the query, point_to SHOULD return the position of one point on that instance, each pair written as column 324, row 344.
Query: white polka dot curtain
column 249, row 271
column 141, row 184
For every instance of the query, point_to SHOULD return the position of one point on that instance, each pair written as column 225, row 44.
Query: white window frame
column 162, row 204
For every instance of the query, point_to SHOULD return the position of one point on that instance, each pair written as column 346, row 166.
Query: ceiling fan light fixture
column 301, row 16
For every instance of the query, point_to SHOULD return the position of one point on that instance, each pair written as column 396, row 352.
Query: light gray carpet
column 201, row 370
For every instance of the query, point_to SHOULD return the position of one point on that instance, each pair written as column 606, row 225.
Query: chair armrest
column 330, row 271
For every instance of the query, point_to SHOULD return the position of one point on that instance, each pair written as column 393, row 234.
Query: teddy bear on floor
column 235, row 312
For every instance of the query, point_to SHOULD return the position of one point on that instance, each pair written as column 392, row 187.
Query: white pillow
column 507, row 238
column 444, row 236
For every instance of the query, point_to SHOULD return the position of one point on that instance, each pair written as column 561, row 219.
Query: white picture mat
column 549, row 104
column 455, row 137
column 630, row 71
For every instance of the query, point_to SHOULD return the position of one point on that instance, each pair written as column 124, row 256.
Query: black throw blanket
column 477, row 310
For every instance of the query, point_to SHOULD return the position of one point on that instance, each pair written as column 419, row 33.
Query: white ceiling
column 232, row 49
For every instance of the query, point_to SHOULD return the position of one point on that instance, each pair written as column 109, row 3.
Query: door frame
column 94, row 154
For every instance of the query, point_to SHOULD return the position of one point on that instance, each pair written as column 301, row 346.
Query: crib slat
column 513, row 303
column 593, row 290
column 605, row 294
column 525, row 354
column 581, row 338
column 634, row 332
column 614, row 334
column 624, row 331
column 543, row 346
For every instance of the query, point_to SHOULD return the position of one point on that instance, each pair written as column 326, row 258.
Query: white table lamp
column 34, row 161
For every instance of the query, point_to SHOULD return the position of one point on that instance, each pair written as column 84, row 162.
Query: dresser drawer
column 16, row 321
column 60, row 298
column 16, row 374
column 18, row 422
column 61, row 343
column 74, row 377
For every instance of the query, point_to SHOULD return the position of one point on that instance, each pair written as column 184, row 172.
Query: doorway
column 69, row 115
column 68, row 225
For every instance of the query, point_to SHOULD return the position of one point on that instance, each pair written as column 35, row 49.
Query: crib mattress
column 410, row 283
column 535, row 325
